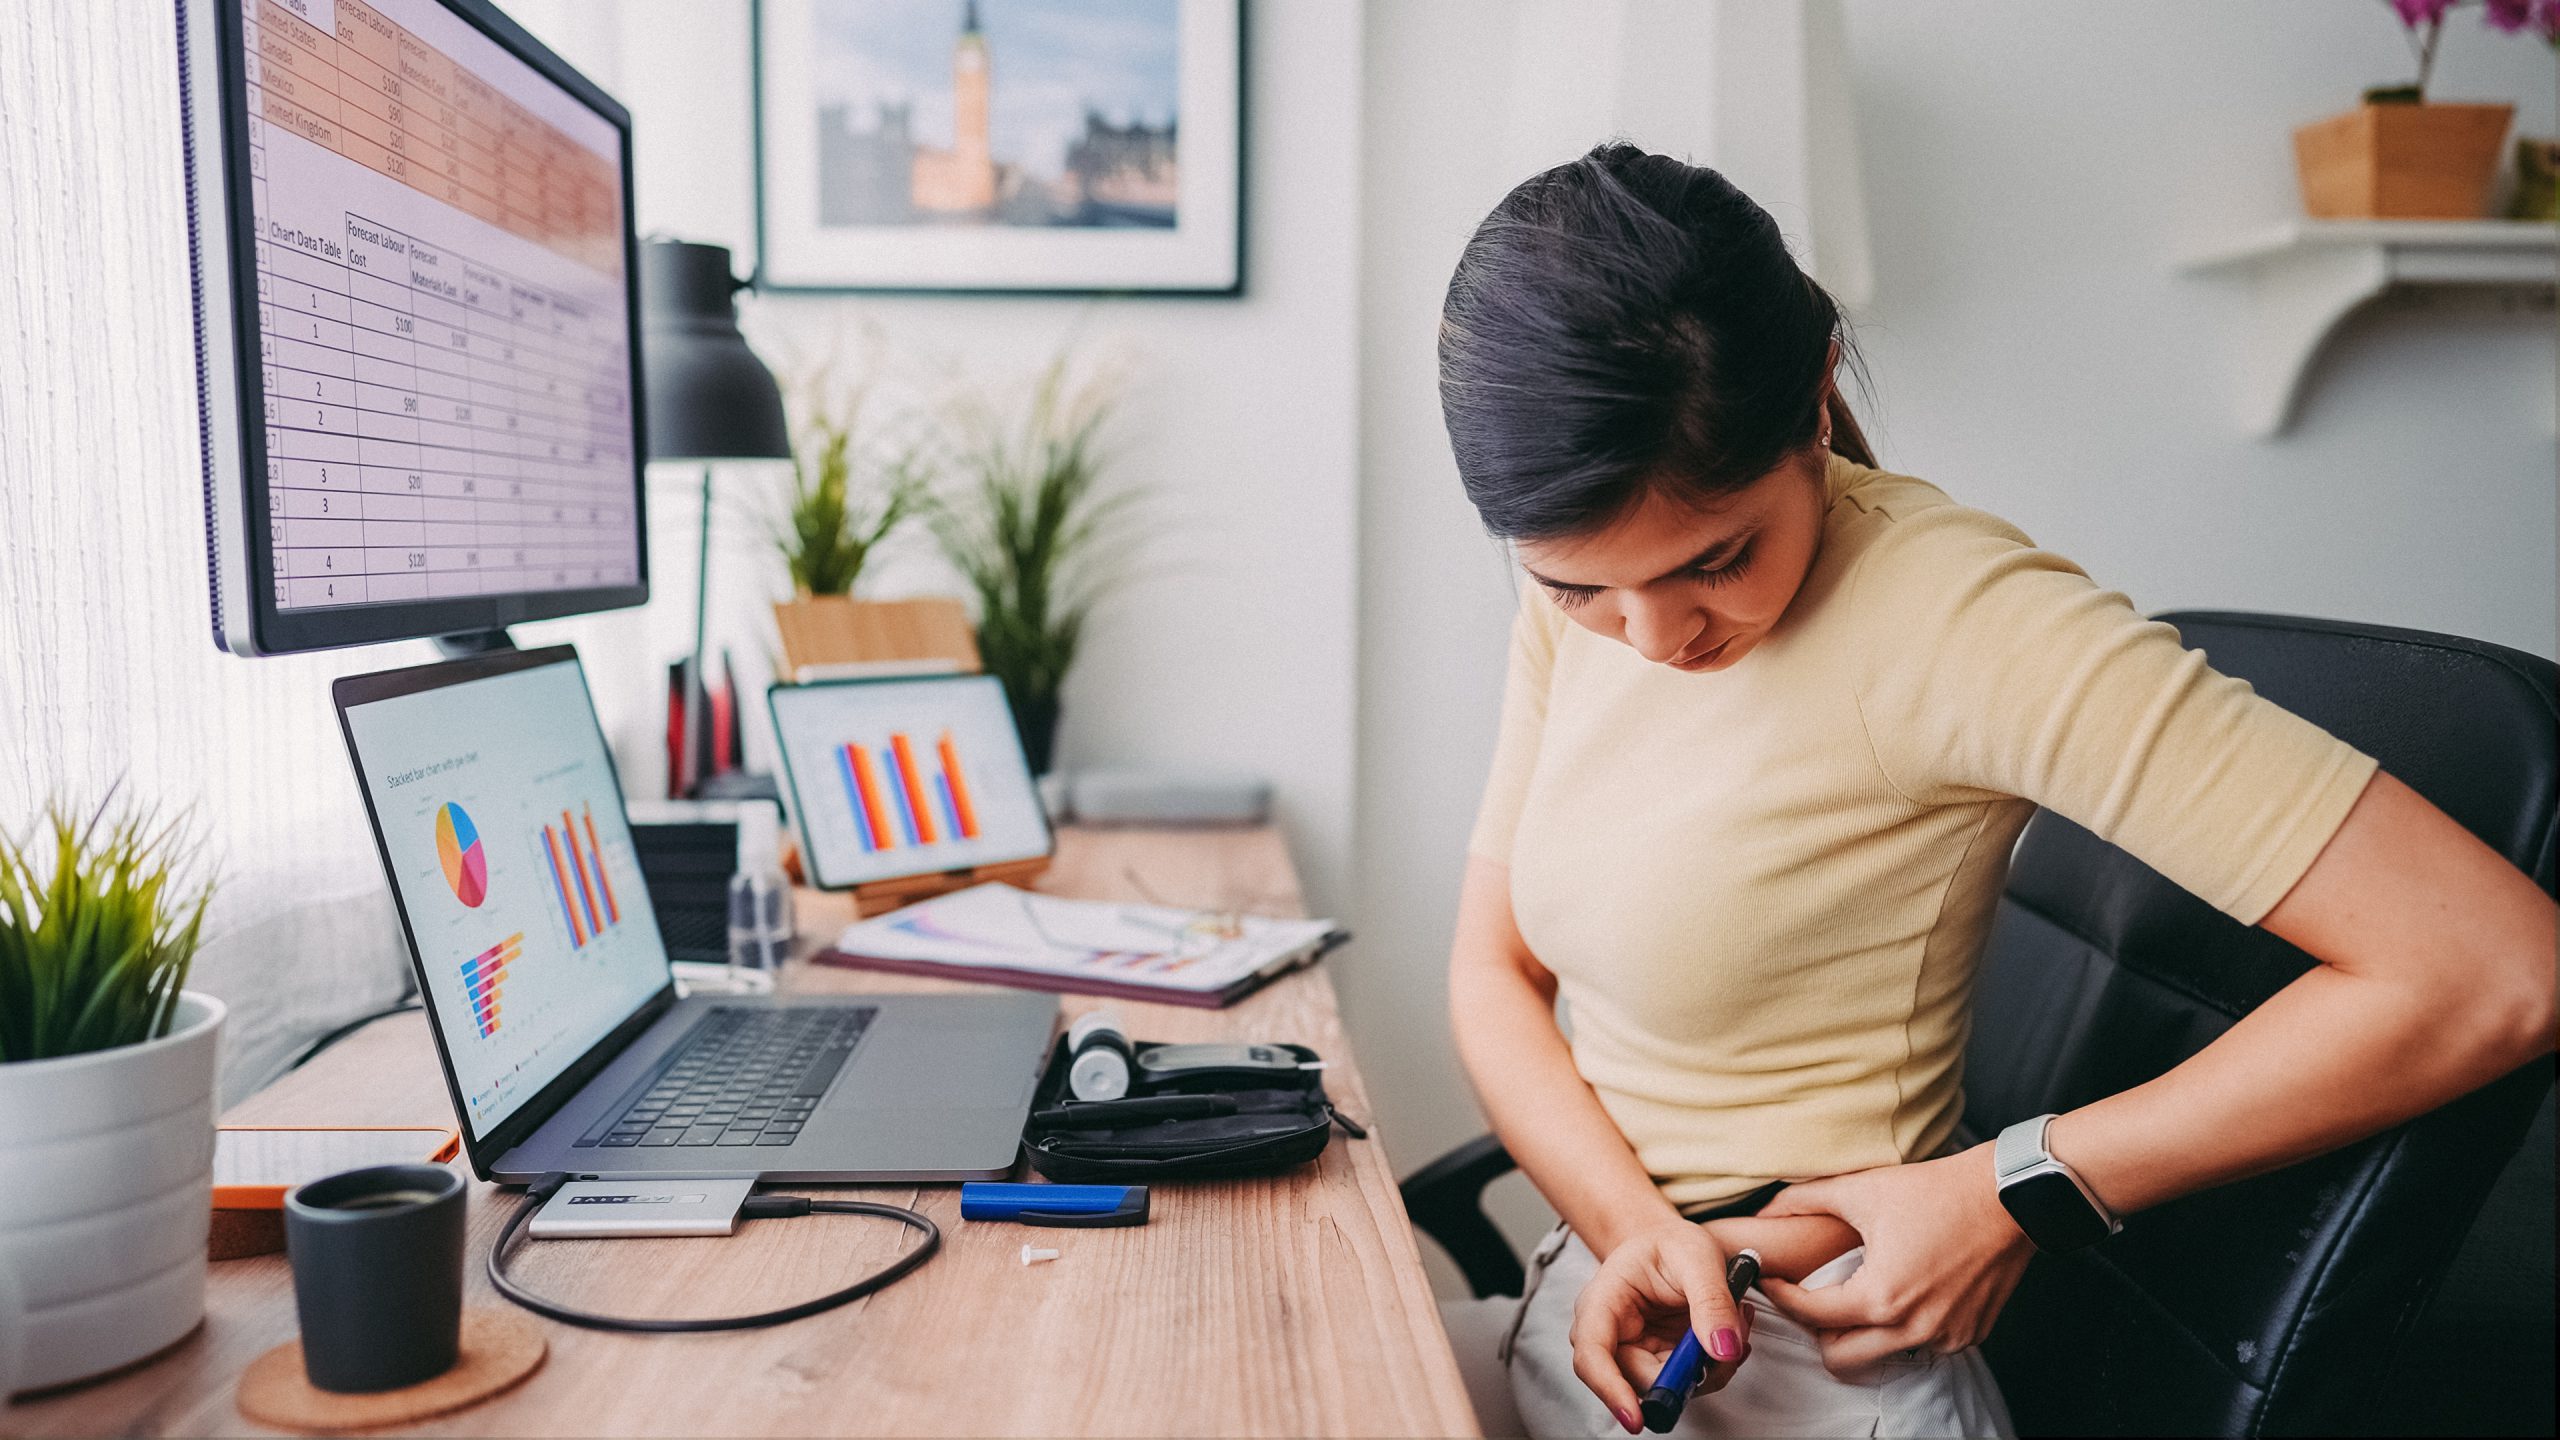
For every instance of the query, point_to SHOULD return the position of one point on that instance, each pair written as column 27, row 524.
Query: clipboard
column 997, row 935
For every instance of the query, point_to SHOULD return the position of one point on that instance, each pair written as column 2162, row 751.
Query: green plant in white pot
column 107, row 1067
column 1039, row 537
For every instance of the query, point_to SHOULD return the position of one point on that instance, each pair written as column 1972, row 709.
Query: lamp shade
column 709, row 397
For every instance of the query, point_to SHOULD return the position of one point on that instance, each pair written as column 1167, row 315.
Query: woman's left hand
column 1942, row 1258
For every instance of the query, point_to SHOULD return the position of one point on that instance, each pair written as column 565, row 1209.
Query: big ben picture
column 1011, row 145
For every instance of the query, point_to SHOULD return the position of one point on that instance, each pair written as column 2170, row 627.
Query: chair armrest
column 1446, row 1200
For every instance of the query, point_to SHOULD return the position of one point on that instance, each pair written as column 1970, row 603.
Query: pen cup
column 377, row 1275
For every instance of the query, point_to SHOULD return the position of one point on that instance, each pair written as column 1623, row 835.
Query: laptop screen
column 502, row 826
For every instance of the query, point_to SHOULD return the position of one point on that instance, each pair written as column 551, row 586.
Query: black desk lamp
column 708, row 399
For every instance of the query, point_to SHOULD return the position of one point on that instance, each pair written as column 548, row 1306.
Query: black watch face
column 2053, row 1212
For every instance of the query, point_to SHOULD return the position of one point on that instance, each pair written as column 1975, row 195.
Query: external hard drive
column 601, row 1209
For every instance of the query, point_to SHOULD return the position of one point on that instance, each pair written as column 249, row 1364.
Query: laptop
column 500, row 823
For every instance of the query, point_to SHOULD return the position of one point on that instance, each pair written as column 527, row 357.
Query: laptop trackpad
column 923, row 1060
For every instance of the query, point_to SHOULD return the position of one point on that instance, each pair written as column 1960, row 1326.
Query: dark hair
column 1622, row 323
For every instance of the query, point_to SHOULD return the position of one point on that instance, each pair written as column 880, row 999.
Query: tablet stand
column 881, row 896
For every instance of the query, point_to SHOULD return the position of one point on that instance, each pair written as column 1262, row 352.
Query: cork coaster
column 499, row 1348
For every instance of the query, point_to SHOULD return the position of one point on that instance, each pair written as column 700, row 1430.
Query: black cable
column 758, row 1207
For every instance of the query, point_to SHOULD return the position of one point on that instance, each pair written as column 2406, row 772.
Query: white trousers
column 1781, row 1388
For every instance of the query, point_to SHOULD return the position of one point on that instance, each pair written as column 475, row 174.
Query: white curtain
column 108, row 672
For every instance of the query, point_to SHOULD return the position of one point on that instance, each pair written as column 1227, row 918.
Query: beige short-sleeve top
column 1763, row 890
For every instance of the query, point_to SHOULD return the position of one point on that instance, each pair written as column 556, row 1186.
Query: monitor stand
column 474, row 642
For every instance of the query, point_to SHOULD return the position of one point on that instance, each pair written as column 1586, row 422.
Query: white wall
column 2032, row 171
column 1436, row 595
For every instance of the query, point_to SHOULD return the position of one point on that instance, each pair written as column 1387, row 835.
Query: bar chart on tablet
column 904, row 794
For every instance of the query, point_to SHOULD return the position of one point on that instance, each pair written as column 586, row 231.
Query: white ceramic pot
column 106, row 1175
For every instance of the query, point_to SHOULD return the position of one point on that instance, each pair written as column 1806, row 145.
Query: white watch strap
column 2020, row 1147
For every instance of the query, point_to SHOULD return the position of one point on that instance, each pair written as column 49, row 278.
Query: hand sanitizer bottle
column 759, row 901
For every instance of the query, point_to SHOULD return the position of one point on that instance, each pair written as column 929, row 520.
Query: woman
column 1774, row 719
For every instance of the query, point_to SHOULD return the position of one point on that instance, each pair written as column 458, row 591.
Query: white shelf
column 2304, row 276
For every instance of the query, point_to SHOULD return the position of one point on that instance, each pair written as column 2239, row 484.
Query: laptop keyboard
column 743, row 1077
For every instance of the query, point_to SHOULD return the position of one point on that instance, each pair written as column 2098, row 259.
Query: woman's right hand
column 1657, row 1283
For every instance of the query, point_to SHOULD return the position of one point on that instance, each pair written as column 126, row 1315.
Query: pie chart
column 466, row 865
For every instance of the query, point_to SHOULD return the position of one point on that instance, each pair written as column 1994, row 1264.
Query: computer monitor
column 416, row 323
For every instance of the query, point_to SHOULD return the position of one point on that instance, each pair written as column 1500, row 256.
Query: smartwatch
column 2049, row 1202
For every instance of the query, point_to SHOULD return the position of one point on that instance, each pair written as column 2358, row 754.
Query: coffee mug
column 377, row 1275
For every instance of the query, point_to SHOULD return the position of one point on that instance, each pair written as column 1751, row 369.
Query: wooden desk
column 1291, row 1305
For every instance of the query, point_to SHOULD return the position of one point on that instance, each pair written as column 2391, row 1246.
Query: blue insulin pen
column 1689, row 1360
column 1067, row 1207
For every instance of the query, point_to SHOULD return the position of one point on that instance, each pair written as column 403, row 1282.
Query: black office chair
column 2276, row 1305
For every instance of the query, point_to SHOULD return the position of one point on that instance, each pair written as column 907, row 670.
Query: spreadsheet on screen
column 443, row 327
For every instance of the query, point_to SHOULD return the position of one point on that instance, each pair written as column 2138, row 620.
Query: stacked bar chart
column 903, row 797
column 482, row 974
column 580, row 879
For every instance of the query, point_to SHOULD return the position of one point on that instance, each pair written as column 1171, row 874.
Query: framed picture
column 1055, row 146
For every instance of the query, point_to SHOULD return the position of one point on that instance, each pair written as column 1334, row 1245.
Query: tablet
column 907, row 775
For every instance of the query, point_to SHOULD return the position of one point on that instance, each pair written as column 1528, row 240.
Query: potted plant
column 106, row 1095
column 845, row 499
column 1037, row 535
column 2400, row 155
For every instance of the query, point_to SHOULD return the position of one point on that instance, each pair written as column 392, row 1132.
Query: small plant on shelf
column 1039, row 536
column 2402, row 155
column 97, row 929
column 2423, row 21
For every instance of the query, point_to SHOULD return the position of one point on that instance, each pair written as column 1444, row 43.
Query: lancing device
column 1689, row 1359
